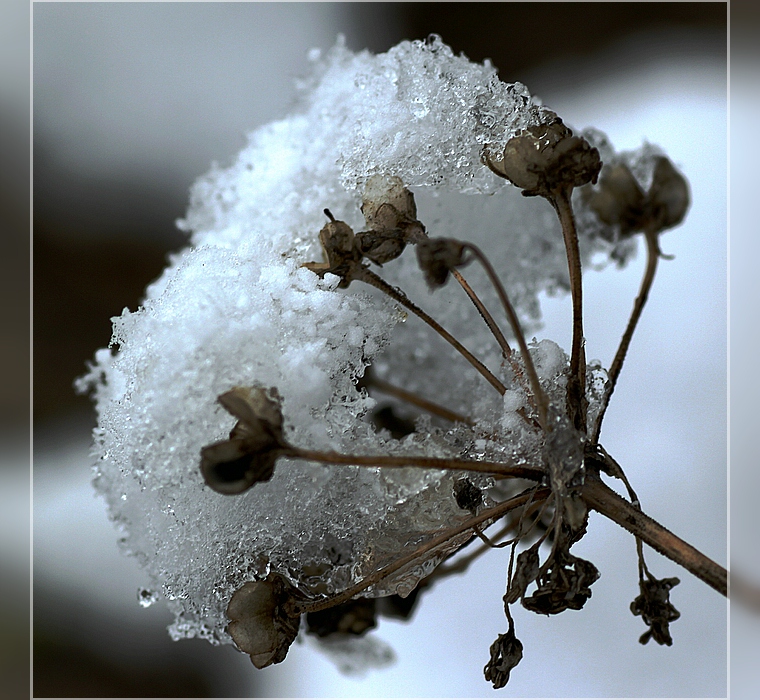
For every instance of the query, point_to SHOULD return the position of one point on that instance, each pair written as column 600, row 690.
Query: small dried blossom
column 564, row 584
column 654, row 606
column 437, row 257
column 506, row 653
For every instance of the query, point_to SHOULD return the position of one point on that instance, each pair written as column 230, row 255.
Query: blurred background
column 132, row 102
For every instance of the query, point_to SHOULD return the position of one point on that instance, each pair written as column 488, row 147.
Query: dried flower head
column 437, row 257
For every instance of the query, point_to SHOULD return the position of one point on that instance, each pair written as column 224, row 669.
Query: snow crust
column 237, row 308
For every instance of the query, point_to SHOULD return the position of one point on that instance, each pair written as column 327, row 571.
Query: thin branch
column 484, row 313
column 538, row 392
column 378, row 282
column 338, row 458
column 576, row 385
column 397, row 392
column 490, row 514
column 603, row 499
column 653, row 256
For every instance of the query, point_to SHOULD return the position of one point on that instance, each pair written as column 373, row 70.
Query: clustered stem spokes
column 549, row 162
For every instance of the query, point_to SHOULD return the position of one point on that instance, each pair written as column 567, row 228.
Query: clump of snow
column 236, row 308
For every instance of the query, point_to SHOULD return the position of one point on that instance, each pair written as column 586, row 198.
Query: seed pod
column 654, row 606
column 338, row 244
column 255, row 442
column 259, row 622
column 668, row 196
column 547, row 158
column 437, row 257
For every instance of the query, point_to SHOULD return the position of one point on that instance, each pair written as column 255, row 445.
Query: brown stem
column 374, row 280
column 416, row 461
column 490, row 514
column 415, row 400
column 602, row 498
column 485, row 314
column 541, row 400
column 653, row 256
column 576, row 385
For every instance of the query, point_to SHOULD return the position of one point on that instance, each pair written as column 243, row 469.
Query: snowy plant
column 285, row 433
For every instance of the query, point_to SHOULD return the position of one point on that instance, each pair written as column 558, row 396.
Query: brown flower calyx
column 339, row 246
column 261, row 623
column 506, row 653
column 248, row 456
column 437, row 257
column 391, row 216
column 354, row 617
column 563, row 585
column 546, row 159
column 618, row 200
column 654, row 606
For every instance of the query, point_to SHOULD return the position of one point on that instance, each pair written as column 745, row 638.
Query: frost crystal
column 237, row 309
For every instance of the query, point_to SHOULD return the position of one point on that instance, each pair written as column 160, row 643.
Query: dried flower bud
column 546, row 158
column 655, row 608
column 564, row 585
column 506, row 653
column 256, row 441
column 437, row 257
column 259, row 622
column 526, row 570
column 343, row 258
column 353, row 617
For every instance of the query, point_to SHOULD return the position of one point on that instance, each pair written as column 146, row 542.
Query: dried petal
column 353, row 617
column 655, row 608
column 526, row 570
column 506, row 653
column 546, row 158
column 259, row 623
column 437, row 257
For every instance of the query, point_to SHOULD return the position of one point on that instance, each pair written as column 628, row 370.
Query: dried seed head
column 256, row 441
column 547, row 158
column 354, row 617
column 506, row 653
column 259, row 622
column 437, row 257
column 343, row 258
column 655, row 608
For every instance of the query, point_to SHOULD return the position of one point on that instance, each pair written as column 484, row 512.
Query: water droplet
column 146, row 597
